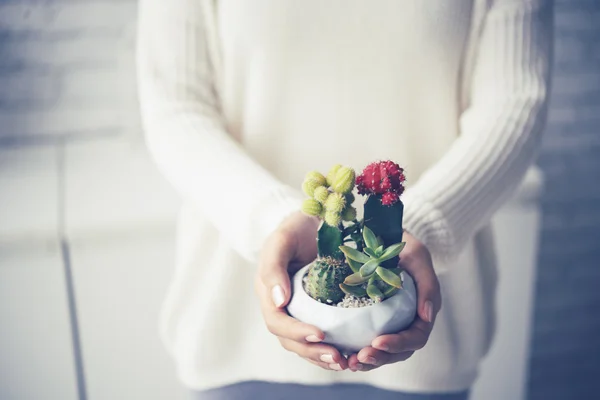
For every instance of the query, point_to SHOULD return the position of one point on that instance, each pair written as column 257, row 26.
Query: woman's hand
column 389, row 349
column 288, row 249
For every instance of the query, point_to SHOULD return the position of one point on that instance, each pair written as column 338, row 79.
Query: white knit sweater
column 240, row 98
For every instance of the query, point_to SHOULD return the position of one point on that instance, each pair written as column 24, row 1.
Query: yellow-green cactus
column 312, row 207
column 310, row 185
column 344, row 180
column 332, row 218
column 332, row 174
column 321, row 194
column 335, row 203
column 318, row 177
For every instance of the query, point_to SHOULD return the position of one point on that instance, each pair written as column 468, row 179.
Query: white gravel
column 355, row 302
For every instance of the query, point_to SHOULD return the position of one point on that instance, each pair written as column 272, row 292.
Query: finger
column 316, row 352
column 354, row 365
column 280, row 324
column 414, row 338
column 318, row 364
column 371, row 358
column 273, row 273
column 421, row 270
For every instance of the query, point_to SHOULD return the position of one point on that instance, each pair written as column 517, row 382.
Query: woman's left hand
column 388, row 349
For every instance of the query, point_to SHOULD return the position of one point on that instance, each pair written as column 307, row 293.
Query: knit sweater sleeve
column 187, row 135
column 500, row 130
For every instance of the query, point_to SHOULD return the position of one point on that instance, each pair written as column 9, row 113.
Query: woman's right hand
column 288, row 249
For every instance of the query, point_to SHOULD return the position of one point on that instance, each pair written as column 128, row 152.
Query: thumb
column 421, row 270
column 275, row 258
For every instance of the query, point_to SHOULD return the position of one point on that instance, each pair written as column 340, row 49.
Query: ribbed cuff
column 271, row 212
column 427, row 224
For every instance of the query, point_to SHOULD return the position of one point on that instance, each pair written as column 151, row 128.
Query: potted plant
column 354, row 290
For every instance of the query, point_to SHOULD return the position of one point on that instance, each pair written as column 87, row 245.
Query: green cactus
column 332, row 174
column 321, row 194
column 344, row 180
column 329, row 240
column 324, row 278
column 332, row 204
column 312, row 207
column 333, row 218
column 385, row 220
column 310, row 185
column 349, row 213
column 317, row 177
column 369, row 266
column 335, row 202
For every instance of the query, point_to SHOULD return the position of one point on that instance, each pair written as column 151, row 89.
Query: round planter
column 351, row 329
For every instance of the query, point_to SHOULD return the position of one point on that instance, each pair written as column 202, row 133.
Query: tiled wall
column 66, row 68
column 565, row 358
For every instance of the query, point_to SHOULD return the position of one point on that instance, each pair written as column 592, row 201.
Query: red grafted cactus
column 385, row 178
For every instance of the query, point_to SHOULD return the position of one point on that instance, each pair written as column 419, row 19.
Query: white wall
column 73, row 168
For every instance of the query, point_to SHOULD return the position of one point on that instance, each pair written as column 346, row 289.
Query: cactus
column 310, row 185
column 385, row 220
column 383, row 183
column 324, row 278
column 329, row 240
column 332, row 174
column 317, row 177
column 370, row 269
column 312, row 207
column 331, row 204
column 321, row 194
column 344, row 180
column 381, row 177
column 335, row 202
column 333, row 218
column 349, row 213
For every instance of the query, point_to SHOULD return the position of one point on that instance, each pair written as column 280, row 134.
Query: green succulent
column 370, row 277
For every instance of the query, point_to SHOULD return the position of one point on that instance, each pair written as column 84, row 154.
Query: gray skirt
column 257, row 390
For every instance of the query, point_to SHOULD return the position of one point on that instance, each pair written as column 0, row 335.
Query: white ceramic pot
column 351, row 329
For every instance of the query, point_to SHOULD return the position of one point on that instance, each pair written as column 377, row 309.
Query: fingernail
column 313, row 339
column 359, row 367
column 429, row 311
column 335, row 367
column 370, row 360
column 327, row 358
column 278, row 296
column 382, row 347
